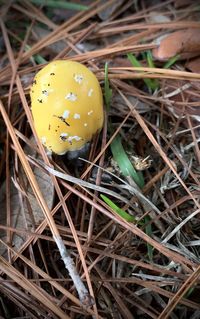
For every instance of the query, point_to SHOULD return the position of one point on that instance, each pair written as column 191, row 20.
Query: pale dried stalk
column 78, row 181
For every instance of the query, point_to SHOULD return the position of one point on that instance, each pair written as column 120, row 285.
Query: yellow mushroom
column 67, row 106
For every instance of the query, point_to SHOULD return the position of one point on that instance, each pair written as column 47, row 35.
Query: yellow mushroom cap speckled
column 67, row 105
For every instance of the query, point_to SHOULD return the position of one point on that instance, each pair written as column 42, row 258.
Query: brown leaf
column 25, row 211
column 107, row 13
column 194, row 65
column 186, row 43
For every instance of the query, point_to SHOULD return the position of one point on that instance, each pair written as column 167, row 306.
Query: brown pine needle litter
column 115, row 234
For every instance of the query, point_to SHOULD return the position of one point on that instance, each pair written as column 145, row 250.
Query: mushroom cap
column 67, row 105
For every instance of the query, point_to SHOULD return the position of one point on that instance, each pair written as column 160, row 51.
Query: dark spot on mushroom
column 39, row 100
column 34, row 82
column 49, row 127
column 32, row 91
column 62, row 119
column 44, row 91
column 48, row 84
column 52, row 73
column 56, row 130
column 63, row 138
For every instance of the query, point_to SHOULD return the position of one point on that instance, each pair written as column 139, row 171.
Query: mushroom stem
column 83, row 293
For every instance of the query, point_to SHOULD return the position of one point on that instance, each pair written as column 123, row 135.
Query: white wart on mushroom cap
column 67, row 105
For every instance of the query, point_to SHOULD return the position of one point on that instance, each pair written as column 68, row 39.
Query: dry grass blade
column 150, row 73
column 135, row 230
column 47, row 278
column 180, row 293
column 157, row 146
column 158, row 26
column 69, row 264
column 28, row 286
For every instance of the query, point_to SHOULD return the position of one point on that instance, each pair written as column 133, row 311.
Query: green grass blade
column 154, row 82
column 171, row 61
column 124, row 163
column 117, row 149
column 150, row 59
column 37, row 57
column 61, row 4
column 118, row 210
column 149, row 83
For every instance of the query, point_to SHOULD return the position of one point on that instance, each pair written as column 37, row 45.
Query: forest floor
column 127, row 213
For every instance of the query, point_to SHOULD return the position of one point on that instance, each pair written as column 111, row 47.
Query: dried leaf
column 107, row 13
column 25, row 212
column 157, row 17
column 194, row 65
column 185, row 43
